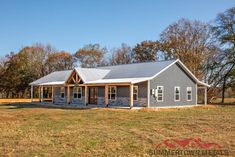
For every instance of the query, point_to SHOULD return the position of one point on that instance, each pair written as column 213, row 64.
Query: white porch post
column 148, row 92
column 106, row 96
column 131, row 96
column 205, row 95
column 31, row 93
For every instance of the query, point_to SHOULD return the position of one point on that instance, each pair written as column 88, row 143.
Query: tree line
column 207, row 49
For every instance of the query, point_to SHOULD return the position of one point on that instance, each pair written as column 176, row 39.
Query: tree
column 91, row 55
column 122, row 55
column 191, row 42
column 146, row 51
column 224, row 31
column 59, row 61
column 22, row 68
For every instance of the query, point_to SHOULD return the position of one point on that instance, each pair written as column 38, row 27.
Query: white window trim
column 175, row 93
column 109, row 92
column 77, row 92
column 188, row 94
column 137, row 97
column 162, row 93
column 62, row 92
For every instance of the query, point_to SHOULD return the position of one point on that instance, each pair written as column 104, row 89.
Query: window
column 112, row 92
column 62, row 92
column 135, row 93
column 159, row 93
column 189, row 93
column 177, row 93
column 77, row 92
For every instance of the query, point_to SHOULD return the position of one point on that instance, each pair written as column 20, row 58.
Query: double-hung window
column 159, row 92
column 77, row 92
column 189, row 93
column 177, row 94
column 135, row 93
column 112, row 92
column 62, row 89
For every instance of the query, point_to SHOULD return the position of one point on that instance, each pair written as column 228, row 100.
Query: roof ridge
column 134, row 63
column 89, row 68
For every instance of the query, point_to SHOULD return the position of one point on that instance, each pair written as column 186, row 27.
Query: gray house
column 149, row 84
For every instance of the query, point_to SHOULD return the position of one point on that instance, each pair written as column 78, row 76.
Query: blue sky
column 70, row 24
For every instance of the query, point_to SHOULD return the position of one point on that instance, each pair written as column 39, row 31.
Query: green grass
column 35, row 131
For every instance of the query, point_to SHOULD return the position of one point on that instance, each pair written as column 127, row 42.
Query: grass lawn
column 226, row 101
column 27, row 130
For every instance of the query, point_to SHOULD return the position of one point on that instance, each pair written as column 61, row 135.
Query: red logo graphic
column 188, row 142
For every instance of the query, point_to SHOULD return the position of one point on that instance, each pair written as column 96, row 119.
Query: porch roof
column 123, row 80
column 58, row 77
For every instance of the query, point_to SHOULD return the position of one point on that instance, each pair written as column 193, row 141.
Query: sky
column 70, row 24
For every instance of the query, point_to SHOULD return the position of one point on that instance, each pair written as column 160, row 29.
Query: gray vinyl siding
column 173, row 76
column 123, row 91
column 142, row 89
column 101, row 91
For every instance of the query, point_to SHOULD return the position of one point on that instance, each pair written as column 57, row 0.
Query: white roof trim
column 191, row 74
column 121, row 80
column 164, row 69
column 186, row 69
column 52, row 83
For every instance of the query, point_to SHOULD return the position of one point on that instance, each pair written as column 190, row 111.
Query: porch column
column 68, row 94
column 42, row 94
column 39, row 93
column 205, row 95
column 31, row 93
column 86, row 95
column 52, row 94
column 148, row 92
column 131, row 96
column 196, row 95
column 106, row 96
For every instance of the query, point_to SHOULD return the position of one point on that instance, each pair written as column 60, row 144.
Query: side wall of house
column 173, row 76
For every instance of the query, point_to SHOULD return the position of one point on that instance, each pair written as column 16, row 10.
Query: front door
column 93, row 95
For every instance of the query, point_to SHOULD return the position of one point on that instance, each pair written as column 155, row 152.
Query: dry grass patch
column 28, row 130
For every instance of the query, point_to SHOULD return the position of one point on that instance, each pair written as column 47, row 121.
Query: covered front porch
column 76, row 92
column 82, row 95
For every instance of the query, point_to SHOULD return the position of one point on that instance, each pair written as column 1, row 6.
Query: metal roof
column 136, row 70
column 58, row 77
column 128, row 73
column 91, row 74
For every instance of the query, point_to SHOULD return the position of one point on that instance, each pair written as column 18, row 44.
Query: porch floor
column 89, row 106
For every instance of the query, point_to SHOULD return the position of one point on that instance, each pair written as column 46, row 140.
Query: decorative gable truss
column 74, row 78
